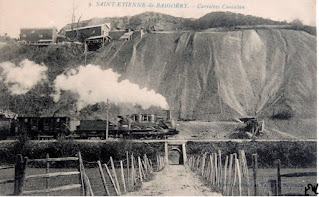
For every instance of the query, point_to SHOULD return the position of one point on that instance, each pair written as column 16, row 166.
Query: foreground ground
column 175, row 180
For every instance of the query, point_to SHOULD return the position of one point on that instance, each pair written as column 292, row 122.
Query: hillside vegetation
column 158, row 21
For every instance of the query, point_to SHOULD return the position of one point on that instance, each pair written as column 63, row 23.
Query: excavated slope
column 222, row 74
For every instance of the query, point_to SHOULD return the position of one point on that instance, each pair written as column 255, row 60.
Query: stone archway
column 175, row 156
column 175, row 153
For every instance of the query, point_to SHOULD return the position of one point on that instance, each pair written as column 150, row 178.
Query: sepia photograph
column 158, row 98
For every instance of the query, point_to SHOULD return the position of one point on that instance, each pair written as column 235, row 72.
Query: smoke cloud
column 94, row 85
column 21, row 78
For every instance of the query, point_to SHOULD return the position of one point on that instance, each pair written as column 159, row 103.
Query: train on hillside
column 136, row 126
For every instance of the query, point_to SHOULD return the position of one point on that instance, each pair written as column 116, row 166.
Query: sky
column 16, row 14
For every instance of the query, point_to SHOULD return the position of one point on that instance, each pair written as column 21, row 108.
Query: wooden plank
column 225, row 176
column 132, row 171
column 115, row 176
column 255, row 169
column 6, row 167
column 203, row 163
column 235, row 174
column 246, row 171
column 55, row 159
column 144, row 171
column 54, row 174
column 56, row 189
column 4, row 181
column 128, row 169
column 111, row 178
column 103, row 178
column 299, row 174
column 19, row 176
column 220, row 172
column 122, row 174
column 216, row 169
column 87, row 184
column 212, row 176
column 144, row 163
column 47, row 172
column 139, row 169
column 278, row 178
column 230, row 170
column 81, row 180
column 239, row 177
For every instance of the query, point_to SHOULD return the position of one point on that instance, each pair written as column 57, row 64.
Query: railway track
column 175, row 141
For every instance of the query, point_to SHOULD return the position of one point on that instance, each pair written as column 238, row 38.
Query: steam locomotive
column 136, row 126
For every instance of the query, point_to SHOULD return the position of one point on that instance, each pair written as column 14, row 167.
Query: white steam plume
column 21, row 78
column 94, row 85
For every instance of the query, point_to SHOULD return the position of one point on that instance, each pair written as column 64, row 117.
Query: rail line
column 176, row 141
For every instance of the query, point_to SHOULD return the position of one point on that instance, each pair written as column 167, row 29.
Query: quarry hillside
column 204, row 75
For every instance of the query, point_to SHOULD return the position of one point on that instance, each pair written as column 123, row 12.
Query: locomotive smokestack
column 168, row 114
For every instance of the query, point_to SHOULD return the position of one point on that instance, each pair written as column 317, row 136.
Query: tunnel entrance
column 175, row 157
column 175, row 153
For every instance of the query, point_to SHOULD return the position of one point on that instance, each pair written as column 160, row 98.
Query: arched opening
column 175, row 157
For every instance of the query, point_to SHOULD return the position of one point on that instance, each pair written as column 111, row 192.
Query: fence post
column 255, row 168
column 235, row 174
column 225, row 176
column 122, row 174
column 115, row 176
column 81, row 179
column 128, row 169
column 19, row 176
column 220, row 170
column 278, row 178
column 111, row 178
column 103, row 178
column 47, row 171
column 245, row 170
column 212, row 175
column 139, row 168
column 239, row 176
column 132, row 171
column 230, row 169
column 216, row 170
column 203, row 163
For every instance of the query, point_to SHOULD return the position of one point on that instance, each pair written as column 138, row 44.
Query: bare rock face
column 212, row 75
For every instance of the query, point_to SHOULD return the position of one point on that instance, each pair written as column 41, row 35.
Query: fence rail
column 117, row 177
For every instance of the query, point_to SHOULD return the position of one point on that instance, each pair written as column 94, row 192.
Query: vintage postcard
column 158, row 97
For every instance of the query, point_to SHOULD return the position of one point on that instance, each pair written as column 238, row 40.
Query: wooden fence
column 127, row 175
column 229, row 176
column 20, row 176
column 275, row 184
column 117, row 177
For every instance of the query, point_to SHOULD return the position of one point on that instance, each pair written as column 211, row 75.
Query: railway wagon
column 92, row 128
column 35, row 127
column 7, row 126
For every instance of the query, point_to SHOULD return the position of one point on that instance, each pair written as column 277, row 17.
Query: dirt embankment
column 269, row 73
column 175, row 180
